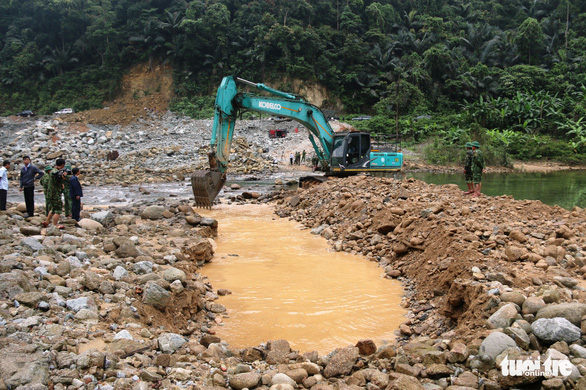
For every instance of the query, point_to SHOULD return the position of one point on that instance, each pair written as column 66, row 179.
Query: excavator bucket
column 206, row 185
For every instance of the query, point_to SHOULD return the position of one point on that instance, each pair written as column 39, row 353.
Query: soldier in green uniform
column 45, row 183
column 468, row 169
column 477, row 168
column 57, row 176
column 66, row 198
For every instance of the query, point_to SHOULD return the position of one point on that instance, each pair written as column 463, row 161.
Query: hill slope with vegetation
column 508, row 73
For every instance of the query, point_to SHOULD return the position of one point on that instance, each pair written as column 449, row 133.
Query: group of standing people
column 56, row 181
column 473, row 168
column 298, row 158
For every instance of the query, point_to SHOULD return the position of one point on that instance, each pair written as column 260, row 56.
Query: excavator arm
column 229, row 105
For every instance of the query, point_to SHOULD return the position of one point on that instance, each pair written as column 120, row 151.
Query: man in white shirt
column 4, row 184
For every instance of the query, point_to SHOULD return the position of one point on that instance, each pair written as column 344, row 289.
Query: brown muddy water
column 289, row 284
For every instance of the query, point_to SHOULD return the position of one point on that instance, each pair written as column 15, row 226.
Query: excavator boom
column 207, row 184
column 339, row 154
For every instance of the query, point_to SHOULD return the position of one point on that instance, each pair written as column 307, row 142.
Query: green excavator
column 341, row 153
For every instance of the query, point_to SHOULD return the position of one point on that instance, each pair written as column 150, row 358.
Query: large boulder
column 572, row 312
column 170, row 342
column 495, row 344
column 156, row 296
column 105, row 218
column 342, row 362
column 557, row 329
column 245, row 380
column 199, row 250
column 503, row 317
column 14, row 283
column 153, row 212
column 90, row 224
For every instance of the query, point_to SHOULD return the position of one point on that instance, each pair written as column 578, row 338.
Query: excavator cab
column 351, row 150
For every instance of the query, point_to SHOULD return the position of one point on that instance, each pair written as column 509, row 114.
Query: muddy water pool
column 288, row 284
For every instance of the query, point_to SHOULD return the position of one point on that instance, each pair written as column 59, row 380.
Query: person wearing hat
column 468, row 169
column 477, row 168
column 75, row 193
column 45, row 183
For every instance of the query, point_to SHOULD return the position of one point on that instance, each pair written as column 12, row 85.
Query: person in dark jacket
column 28, row 174
column 75, row 193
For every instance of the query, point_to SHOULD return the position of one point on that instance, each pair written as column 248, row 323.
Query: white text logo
column 272, row 106
column 533, row 367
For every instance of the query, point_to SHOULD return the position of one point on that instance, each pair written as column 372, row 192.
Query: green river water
column 563, row 188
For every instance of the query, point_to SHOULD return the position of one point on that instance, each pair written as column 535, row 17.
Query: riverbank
column 119, row 300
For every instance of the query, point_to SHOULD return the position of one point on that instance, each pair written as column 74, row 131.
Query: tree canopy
column 408, row 57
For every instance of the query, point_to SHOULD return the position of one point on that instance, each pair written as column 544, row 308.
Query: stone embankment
column 487, row 278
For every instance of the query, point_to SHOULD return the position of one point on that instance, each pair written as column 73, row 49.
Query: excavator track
column 206, row 185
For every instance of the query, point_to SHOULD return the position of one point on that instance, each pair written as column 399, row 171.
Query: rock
column 170, row 342
column 341, row 362
column 458, row 353
column 518, row 236
column 515, row 297
column 532, row 305
column 208, row 339
column 123, row 335
column 578, row 351
column 30, row 299
column 246, row 380
column 281, row 378
column 30, row 230
column 14, row 283
column 193, row 220
column 495, row 343
column 555, row 329
column 403, row 382
column 32, row 243
column 78, row 304
column 277, row 351
column 209, row 222
column 156, row 296
column 120, row 272
column 153, row 212
column 199, row 250
column 24, row 371
column 366, row 347
column 503, row 317
column 105, row 218
column 438, row 370
column 142, row 267
column 572, row 312
column 519, row 335
column 90, row 224
column 128, row 249
column 514, row 253
column 171, row 274
column 87, row 316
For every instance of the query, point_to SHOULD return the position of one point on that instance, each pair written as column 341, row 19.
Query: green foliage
column 196, row 108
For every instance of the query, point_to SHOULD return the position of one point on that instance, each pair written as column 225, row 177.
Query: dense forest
column 509, row 73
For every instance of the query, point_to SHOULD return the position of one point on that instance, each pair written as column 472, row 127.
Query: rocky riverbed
column 117, row 301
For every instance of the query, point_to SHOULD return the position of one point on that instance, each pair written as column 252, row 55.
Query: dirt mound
column 452, row 247
column 145, row 94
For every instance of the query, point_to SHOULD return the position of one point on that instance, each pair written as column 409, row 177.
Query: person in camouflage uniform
column 45, row 183
column 477, row 168
column 468, row 169
column 56, row 177
column 66, row 198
